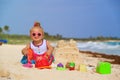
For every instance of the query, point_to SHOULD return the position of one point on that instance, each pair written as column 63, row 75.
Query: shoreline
column 115, row 58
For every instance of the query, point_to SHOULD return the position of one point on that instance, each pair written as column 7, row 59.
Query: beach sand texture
column 12, row 69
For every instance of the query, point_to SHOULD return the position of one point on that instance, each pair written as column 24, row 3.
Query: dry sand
column 12, row 69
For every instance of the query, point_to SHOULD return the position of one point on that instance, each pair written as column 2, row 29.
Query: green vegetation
column 24, row 39
column 15, row 39
column 4, row 29
column 98, row 38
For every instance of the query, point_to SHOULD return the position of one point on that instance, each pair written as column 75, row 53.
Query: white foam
column 103, row 47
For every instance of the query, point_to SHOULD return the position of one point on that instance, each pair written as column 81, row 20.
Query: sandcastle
column 67, row 51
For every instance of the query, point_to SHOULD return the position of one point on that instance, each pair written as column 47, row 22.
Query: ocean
column 110, row 47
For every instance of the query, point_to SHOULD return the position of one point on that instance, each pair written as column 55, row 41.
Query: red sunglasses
column 34, row 34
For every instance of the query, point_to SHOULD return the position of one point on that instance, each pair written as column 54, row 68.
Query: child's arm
column 49, row 49
column 25, row 50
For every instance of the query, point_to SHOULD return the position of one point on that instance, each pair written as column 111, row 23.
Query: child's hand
column 25, row 52
column 46, row 56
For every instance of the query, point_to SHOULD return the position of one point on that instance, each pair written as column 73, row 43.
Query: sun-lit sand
column 12, row 69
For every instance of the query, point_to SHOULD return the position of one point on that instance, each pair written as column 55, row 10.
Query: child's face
column 36, row 34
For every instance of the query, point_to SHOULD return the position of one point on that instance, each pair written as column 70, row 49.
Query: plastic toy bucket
column 103, row 68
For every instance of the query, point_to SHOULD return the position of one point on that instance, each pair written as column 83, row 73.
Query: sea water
column 110, row 47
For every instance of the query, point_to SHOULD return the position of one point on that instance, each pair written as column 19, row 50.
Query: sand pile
column 67, row 51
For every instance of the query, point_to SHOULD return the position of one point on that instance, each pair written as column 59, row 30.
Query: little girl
column 39, row 50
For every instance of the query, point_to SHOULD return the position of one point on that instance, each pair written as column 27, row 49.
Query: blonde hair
column 38, row 27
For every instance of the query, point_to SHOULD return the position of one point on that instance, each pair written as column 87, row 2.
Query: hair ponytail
column 36, row 24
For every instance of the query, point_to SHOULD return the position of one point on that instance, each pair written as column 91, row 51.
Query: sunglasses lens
column 33, row 34
column 39, row 34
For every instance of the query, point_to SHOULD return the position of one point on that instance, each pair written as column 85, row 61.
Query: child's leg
column 51, row 59
column 30, row 55
column 29, row 58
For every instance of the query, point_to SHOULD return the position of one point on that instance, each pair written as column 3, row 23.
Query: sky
column 69, row 18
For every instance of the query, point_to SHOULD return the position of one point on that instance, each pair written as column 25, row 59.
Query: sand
column 12, row 69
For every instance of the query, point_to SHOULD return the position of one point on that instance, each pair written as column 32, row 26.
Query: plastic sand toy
column 103, row 68
column 71, row 66
column 44, row 67
column 82, row 68
column 60, row 66
column 42, row 63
